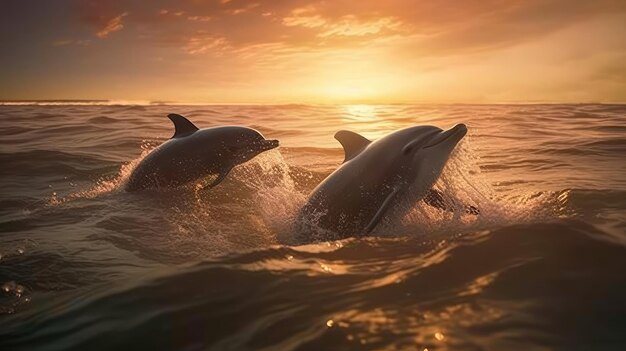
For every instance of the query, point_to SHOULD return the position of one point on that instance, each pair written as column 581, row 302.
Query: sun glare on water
column 361, row 112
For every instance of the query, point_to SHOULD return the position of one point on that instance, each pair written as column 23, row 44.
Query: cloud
column 442, row 49
column 199, row 18
column 243, row 9
column 304, row 17
column 113, row 25
column 70, row 42
column 429, row 28
column 203, row 41
column 346, row 25
column 352, row 26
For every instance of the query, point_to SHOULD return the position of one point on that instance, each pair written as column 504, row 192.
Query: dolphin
column 380, row 179
column 194, row 153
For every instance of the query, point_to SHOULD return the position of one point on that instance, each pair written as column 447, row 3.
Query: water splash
column 251, row 208
column 258, row 203
column 463, row 184
column 275, row 193
column 106, row 184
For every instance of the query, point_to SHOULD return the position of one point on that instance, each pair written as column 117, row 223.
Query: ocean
column 85, row 265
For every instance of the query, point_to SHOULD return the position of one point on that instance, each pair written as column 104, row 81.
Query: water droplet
column 330, row 323
column 439, row 336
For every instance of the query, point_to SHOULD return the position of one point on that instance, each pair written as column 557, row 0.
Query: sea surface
column 85, row 265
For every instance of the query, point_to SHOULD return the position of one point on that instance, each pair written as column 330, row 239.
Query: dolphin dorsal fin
column 182, row 125
column 352, row 143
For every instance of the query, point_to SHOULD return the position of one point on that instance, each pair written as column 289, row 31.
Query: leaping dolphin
column 380, row 179
column 193, row 153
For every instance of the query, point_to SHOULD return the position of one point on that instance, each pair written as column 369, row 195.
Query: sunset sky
column 279, row 51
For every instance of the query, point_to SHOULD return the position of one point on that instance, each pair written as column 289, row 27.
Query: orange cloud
column 243, row 9
column 391, row 50
column 346, row 25
column 430, row 27
column 203, row 41
column 67, row 42
column 199, row 18
column 305, row 17
column 113, row 25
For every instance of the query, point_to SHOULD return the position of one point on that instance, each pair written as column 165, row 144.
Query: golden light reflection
column 361, row 112
column 326, row 268
column 479, row 284
column 425, row 328
column 291, row 263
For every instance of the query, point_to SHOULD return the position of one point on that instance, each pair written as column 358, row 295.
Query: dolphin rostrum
column 380, row 179
column 194, row 153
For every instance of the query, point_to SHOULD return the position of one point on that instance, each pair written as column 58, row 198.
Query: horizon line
column 112, row 102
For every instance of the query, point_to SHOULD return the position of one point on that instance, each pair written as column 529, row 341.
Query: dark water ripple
column 85, row 265
column 269, row 297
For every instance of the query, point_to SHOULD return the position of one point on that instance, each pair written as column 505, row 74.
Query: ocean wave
column 510, row 288
column 87, row 265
